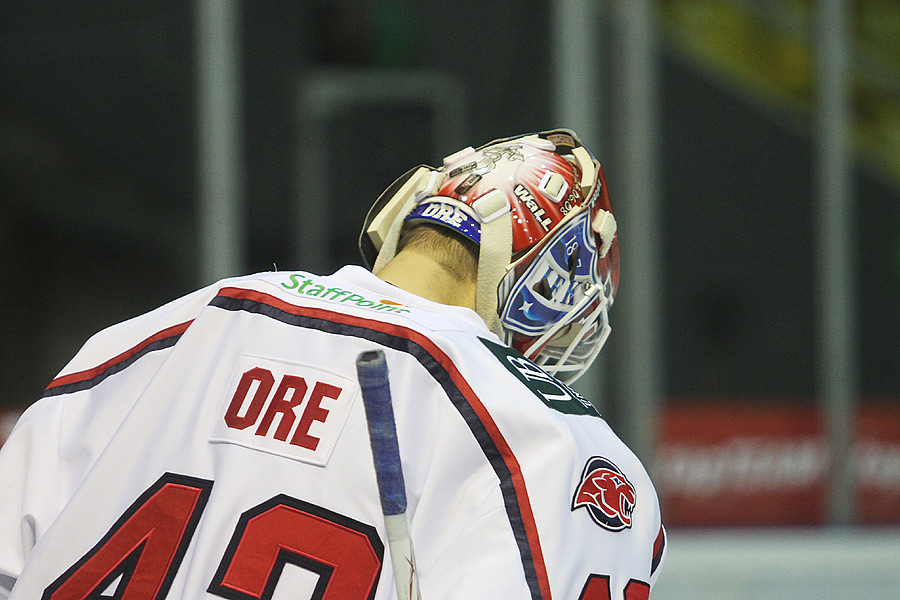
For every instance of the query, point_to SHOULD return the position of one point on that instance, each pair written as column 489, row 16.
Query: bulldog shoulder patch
column 606, row 493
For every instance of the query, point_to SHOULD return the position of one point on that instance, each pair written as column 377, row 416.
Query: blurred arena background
column 752, row 150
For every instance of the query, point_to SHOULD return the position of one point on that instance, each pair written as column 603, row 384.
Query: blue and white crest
column 556, row 281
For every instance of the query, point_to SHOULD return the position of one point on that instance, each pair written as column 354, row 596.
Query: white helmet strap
column 389, row 246
column 494, row 255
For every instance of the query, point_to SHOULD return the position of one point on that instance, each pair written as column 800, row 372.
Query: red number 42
column 139, row 556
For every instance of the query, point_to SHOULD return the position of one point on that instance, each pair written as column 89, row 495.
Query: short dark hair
column 453, row 251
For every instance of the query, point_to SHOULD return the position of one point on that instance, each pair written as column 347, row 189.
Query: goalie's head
column 538, row 208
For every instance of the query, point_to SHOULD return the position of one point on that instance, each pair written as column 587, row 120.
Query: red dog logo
column 606, row 493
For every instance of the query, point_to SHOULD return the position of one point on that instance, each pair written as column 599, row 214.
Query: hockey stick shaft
column 372, row 371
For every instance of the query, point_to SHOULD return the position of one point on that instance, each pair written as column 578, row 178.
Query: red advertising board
column 754, row 463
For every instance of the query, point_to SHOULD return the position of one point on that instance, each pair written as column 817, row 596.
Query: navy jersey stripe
column 464, row 400
column 659, row 547
column 84, row 380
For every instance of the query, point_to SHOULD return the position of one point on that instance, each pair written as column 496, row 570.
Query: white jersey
column 217, row 447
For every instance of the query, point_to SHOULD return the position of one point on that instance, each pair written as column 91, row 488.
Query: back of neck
column 418, row 273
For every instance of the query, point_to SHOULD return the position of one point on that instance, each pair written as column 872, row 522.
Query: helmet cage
column 555, row 300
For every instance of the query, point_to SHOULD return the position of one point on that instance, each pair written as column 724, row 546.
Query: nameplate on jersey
column 288, row 409
column 549, row 390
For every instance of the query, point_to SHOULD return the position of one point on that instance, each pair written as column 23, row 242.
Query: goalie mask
column 548, row 263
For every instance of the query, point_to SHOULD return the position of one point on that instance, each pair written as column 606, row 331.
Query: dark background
column 98, row 182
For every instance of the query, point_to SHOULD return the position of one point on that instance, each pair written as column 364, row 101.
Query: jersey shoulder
column 158, row 324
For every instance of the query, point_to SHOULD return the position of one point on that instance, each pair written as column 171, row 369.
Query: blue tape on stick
column 372, row 371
